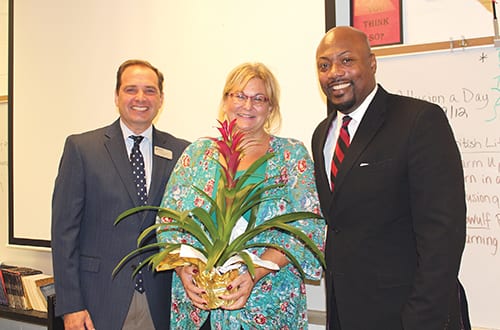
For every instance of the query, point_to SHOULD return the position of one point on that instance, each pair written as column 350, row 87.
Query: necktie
column 137, row 161
column 138, row 170
column 343, row 142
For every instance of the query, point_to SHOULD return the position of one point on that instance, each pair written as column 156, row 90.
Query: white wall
column 65, row 75
column 9, row 254
column 298, row 83
column 4, row 24
column 266, row 35
column 194, row 58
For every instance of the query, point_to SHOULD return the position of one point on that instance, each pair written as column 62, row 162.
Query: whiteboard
column 466, row 83
column 67, row 54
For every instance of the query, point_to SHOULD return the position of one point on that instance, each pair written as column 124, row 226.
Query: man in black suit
column 396, row 215
column 94, row 185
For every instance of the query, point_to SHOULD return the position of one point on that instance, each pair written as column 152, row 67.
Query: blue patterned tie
column 137, row 161
column 138, row 170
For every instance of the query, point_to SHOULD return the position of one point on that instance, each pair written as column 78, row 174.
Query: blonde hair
column 239, row 77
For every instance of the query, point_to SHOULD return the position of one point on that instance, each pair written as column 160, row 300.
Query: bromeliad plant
column 213, row 228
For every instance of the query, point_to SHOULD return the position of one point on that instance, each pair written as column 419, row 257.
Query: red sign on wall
column 379, row 19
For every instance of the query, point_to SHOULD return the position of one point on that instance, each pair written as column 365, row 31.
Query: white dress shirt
column 146, row 147
column 334, row 131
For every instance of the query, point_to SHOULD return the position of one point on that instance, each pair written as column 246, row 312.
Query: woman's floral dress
column 278, row 300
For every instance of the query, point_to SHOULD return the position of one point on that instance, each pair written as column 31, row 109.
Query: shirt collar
column 358, row 114
column 148, row 133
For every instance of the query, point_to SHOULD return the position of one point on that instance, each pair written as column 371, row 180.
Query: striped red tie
column 342, row 144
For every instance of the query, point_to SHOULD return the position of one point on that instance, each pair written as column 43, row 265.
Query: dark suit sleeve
column 438, row 209
column 317, row 145
column 67, row 211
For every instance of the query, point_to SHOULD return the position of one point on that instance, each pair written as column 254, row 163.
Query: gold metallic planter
column 215, row 285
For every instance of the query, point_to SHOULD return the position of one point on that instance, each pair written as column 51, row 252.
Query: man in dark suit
column 94, row 185
column 396, row 212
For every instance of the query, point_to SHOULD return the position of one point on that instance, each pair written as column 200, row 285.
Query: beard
column 344, row 107
column 344, row 102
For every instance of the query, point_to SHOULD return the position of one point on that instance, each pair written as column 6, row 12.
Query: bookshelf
column 33, row 317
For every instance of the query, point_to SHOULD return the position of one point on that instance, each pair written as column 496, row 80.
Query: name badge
column 162, row 152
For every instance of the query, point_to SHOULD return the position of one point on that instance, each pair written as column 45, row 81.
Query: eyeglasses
column 241, row 98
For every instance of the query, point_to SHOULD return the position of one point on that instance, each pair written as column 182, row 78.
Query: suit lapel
column 323, row 184
column 368, row 128
column 118, row 153
column 160, row 168
column 159, row 176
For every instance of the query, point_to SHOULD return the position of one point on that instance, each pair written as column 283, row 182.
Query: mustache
column 332, row 82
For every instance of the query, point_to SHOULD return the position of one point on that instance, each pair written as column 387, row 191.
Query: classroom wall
column 11, row 254
column 3, row 46
column 306, row 84
column 40, row 258
column 172, row 120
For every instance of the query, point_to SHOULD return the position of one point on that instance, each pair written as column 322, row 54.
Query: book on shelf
column 47, row 290
column 4, row 298
column 36, row 287
column 16, row 293
column 3, row 292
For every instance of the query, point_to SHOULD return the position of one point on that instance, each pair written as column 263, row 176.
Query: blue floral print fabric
column 278, row 300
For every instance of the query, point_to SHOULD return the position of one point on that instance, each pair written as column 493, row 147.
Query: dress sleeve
column 294, row 167
column 194, row 167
